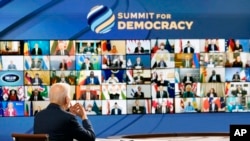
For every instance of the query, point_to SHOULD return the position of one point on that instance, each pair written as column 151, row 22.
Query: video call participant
column 63, row 65
column 163, row 108
column 92, row 79
column 138, row 64
column 188, row 78
column 116, row 110
column 239, row 92
column 161, row 93
column 188, row 48
column 13, row 95
column 12, row 66
column 138, row 109
column 214, row 77
column 36, row 50
column 213, row 107
column 138, row 78
column 212, row 93
column 237, row 62
column 187, row 62
column 139, row 93
column 36, row 64
column 189, row 108
column 88, row 49
column 236, row 77
column 10, row 111
column 87, row 65
column 36, row 96
column 238, row 47
column 113, row 93
column 162, row 49
column 37, row 80
column 188, row 93
column 212, row 47
column 112, row 79
column 62, row 48
column 139, row 48
column 60, row 124
column 88, row 94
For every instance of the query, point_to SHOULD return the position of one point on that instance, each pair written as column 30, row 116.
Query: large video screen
column 113, row 77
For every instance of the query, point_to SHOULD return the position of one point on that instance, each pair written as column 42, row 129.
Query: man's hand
column 78, row 110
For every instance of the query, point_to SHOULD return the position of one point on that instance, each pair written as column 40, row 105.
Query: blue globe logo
column 101, row 19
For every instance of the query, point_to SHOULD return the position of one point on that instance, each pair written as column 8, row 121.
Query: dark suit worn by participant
column 36, row 50
column 36, row 96
column 188, row 79
column 212, row 93
column 188, row 48
column 92, row 79
column 238, row 47
column 236, row 77
column 138, row 64
column 63, row 65
column 116, row 110
column 187, row 62
column 60, row 124
column 36, row 64
column 139, row 93
column 137, row 109
column 139, row 48
column 214, row 77
column 161, row 93
column 212, row 47
column 139, row 79
column 37, row 80
column 237, row 62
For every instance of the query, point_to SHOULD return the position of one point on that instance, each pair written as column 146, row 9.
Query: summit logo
column 101, row 19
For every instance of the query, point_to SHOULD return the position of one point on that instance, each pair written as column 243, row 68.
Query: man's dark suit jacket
column 210, row 48
column 141, row 110
column 95, row 79
column 215, row 108
column 215, row 94
column 190, row 79
column 236, row 78
column 136, row 79
column 39, row 97
column 62, row 125
column 138, row 65
column 165, row 94
column 136, row 95
column 137, row 50
column 84, row 67
column 39, row 51
column 65, row 66
column 113, row 111
column 40, row 82
column 191, row 50
column 217, row 79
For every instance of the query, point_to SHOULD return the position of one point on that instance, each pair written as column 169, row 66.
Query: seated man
column 137, row 108
column 36, row 50
column 139, row 93
column 138, row 64
column 112, row 79
column 116, row 110
column 36, row 96
column 188, row 48
column 12, row 66
column 37, row 80
column 60, row 124
column 237, row 62
column 239, row 92
column 87, row 65
column 62, row 48
column 236, row 77
column 189, row 108
column 188, row 78
column 161, row 93
column 187, row 62
column 92, row 79
column 36, row 64
column 88, row 49
column 139, row 48
column 214, row 77
column 139, row 79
